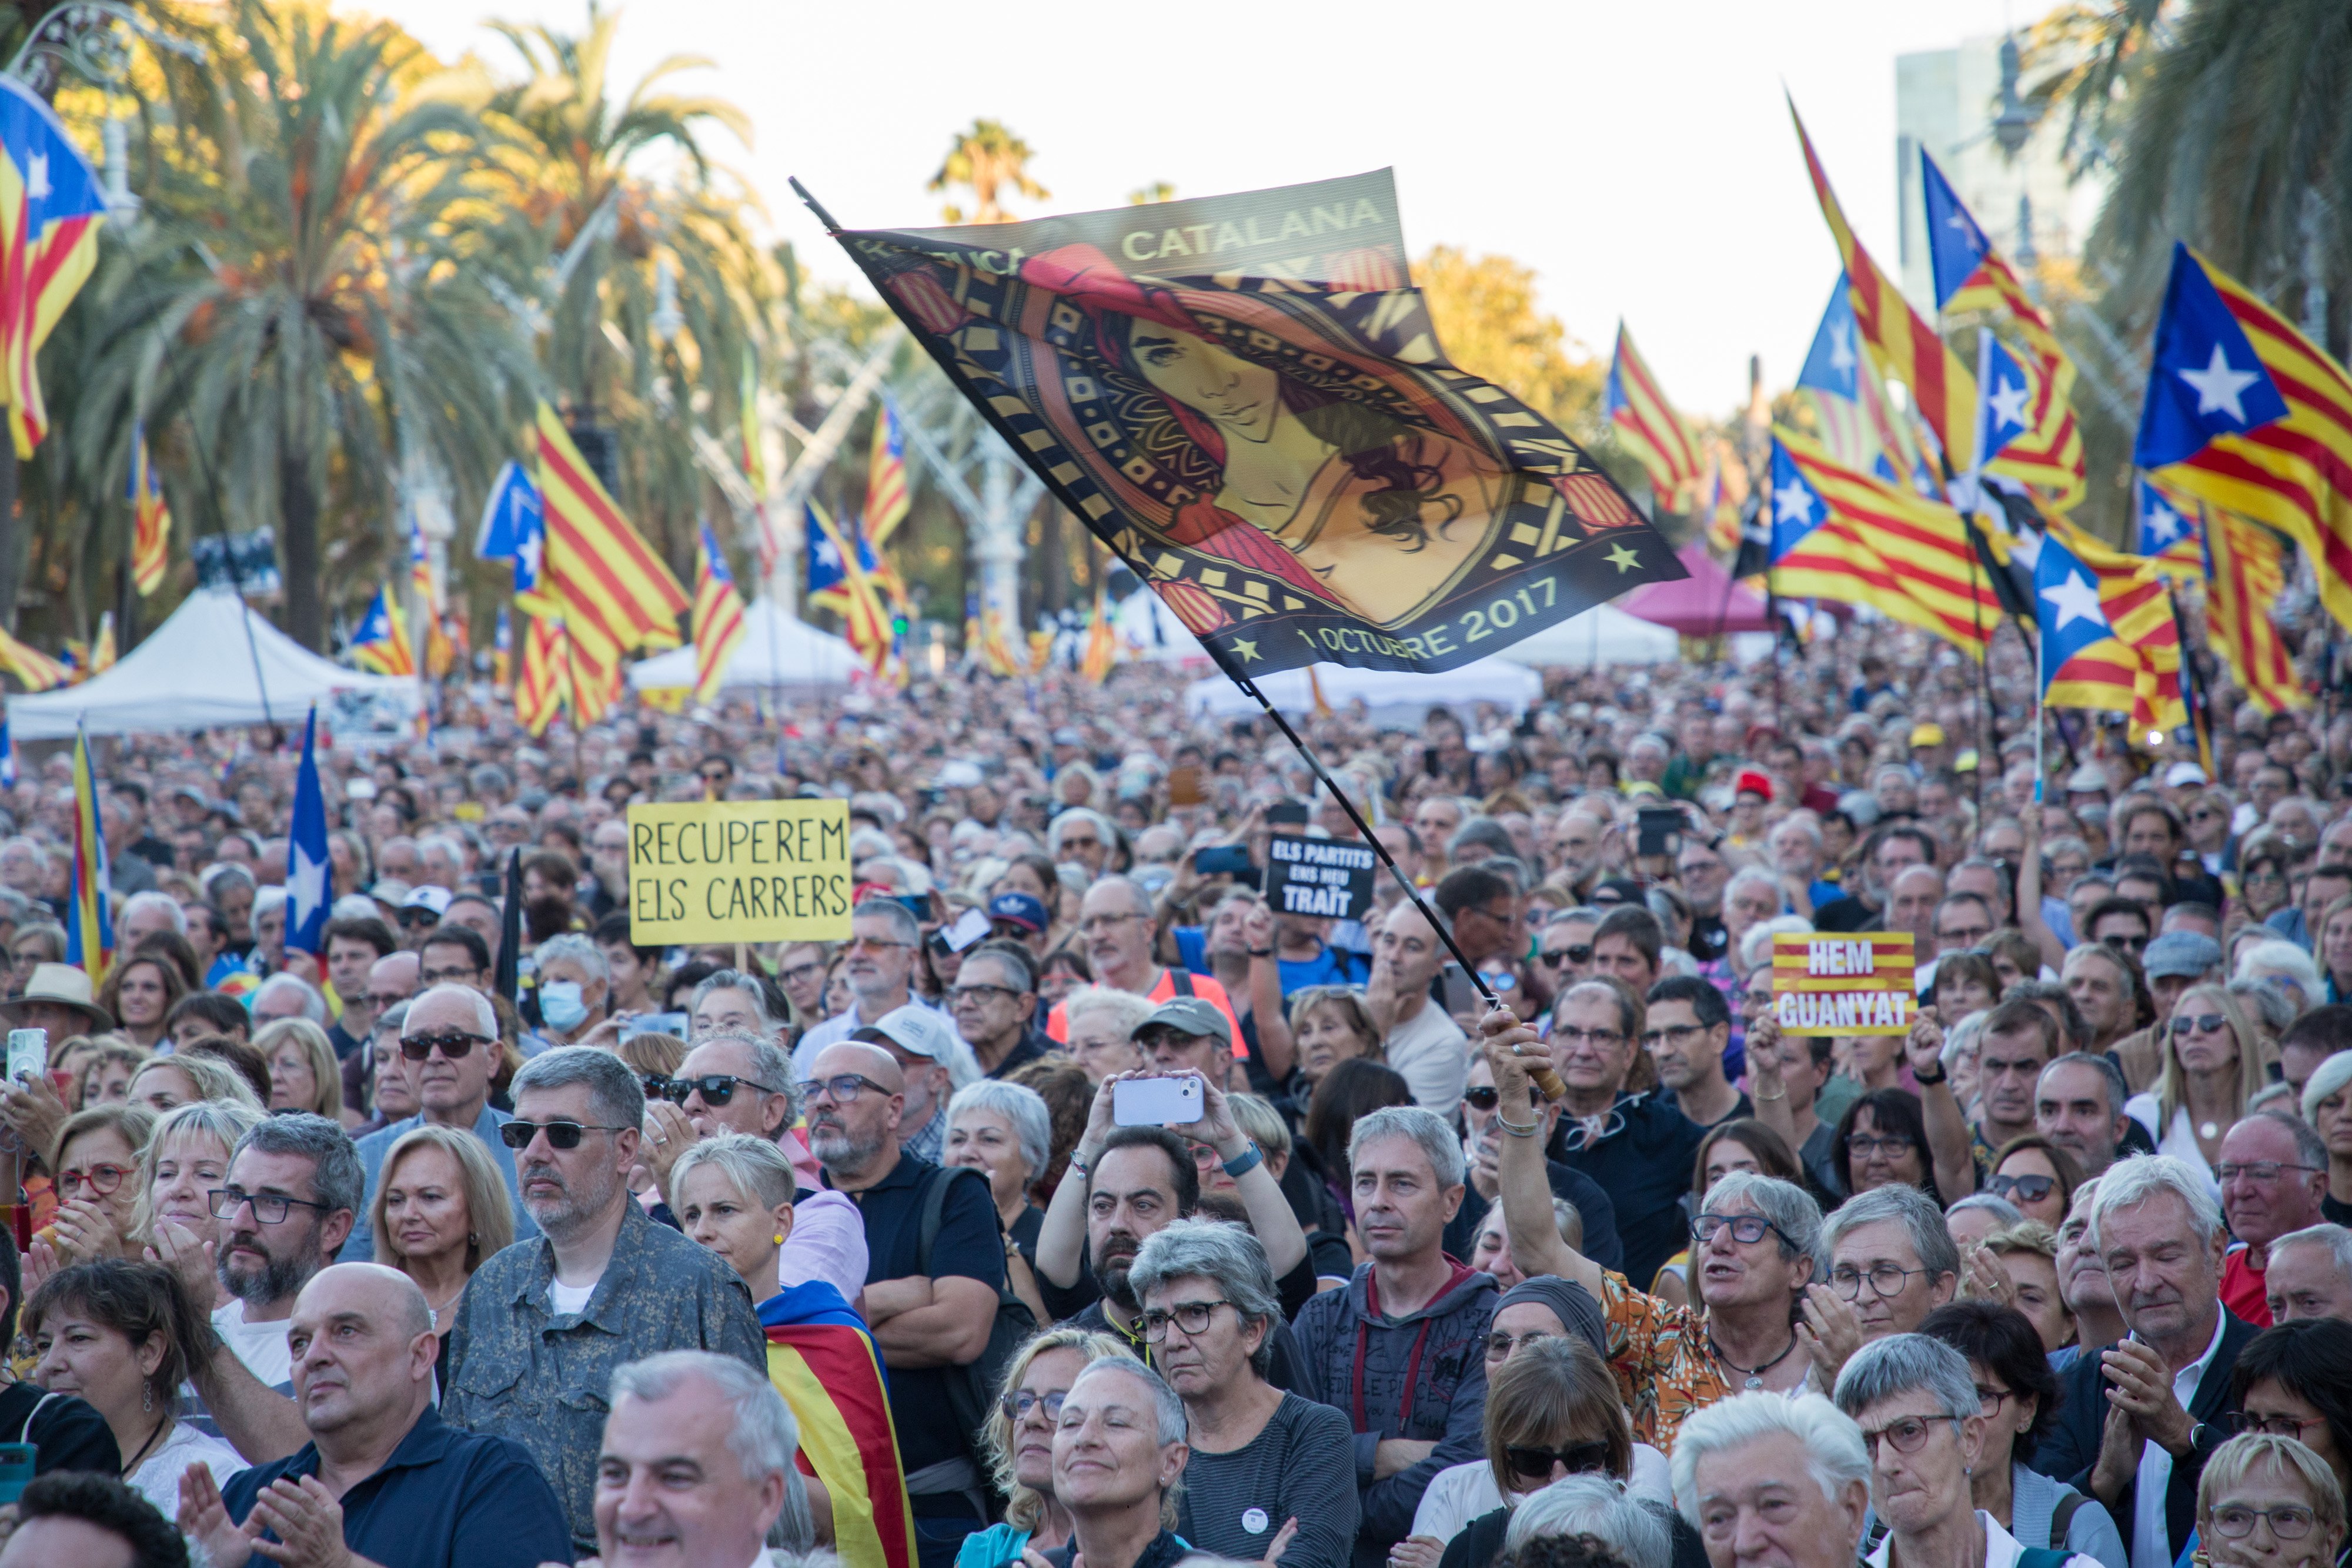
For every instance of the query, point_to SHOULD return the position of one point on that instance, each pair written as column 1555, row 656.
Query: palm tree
column 299, row 293
column 986, row 159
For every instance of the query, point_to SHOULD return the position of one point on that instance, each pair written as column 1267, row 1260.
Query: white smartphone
column 1157, row 1101
column 28, row 1054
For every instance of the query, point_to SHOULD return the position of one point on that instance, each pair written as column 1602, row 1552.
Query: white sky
column 1639, row 157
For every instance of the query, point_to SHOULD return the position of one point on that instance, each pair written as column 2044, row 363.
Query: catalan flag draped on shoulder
column 2109, row 639
column 544, row 682
column 150, row 517
column 90, row 917
column 824, row 1362
column 886, row 498
column 380, row 643
column 2247, row 413
column 1906, row 348
column 50, row 207
column 1839, row 533
column 613, row 593
column 2245, row 573
column 1647, row 426
column 718, row 625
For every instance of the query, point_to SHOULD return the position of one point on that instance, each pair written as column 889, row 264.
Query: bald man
column 410, row 1489
column 931, row 1310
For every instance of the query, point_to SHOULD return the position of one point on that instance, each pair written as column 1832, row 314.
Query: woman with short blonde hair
column 2265, row 1500
column 185, row 1157
column 303, row 1073
column 165, row 1083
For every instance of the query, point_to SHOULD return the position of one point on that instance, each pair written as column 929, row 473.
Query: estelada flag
column 1243, row 396
column 824, row 1362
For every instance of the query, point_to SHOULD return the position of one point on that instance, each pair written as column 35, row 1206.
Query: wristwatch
column 1242, row 1163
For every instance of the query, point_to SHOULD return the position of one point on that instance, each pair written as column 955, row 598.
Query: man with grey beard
column 543, row 1325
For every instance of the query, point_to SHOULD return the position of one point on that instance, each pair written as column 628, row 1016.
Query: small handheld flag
column 90, row 920
column 151, row 518
column 886, row 501
column 308, row 878
column 718, row 624
column 380, row 644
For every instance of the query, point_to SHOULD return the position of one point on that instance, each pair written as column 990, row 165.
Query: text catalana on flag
column 1859, row 984
column 1243, row 397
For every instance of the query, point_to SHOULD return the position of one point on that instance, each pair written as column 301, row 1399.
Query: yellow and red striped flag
column 2245, row 573
column 380, row 644
column 2109, row 639
column 1906, row 348
column 1647, row 424
column 1102, row 646
column 50, row 207
column 90, row 922
column 151, row 518
column 887, row 499
column 543, row 683
column 718, row 626
column 612, row 592
column 1839, row 533
column 29, row 664
column 826, row 1369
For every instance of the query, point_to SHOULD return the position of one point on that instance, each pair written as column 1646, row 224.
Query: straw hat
column 65, row 985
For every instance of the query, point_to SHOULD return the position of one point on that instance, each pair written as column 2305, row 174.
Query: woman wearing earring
column 441, row 1207
column 116, row 1336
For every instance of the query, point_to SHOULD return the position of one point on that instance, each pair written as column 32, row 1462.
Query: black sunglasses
column 1578, row 953
column 559, row 1135
column 1486, row 1097
column 455, row 1044
column 2201, row 1023
column 716, row 1088
column 1535, row 1463
column 2028, row 1188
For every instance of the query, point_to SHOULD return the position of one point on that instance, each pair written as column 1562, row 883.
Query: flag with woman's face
column 1243, row 397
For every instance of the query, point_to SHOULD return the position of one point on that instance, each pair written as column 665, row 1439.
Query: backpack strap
column 2061, row 1518
column 2043, row 1557
column 935, row 1201
column 1180, row 979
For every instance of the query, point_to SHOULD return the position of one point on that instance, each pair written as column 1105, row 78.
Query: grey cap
column 2182, row 955
column 1187, row 1015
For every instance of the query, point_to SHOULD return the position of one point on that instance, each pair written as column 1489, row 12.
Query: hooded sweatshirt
column 1421, row 1375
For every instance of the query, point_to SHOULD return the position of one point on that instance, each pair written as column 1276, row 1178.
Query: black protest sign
column 1324, row 878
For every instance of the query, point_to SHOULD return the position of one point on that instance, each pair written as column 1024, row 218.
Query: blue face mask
column 561, row 1005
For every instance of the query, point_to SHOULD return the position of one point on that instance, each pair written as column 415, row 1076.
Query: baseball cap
column 433, row 901
column 1187, row 1015
column 914, row 1028
column 2088, row 779
column 1928, row 735
column 2181, row 773
column 1752, row 783
column 2182, row 955
column 1018, row 909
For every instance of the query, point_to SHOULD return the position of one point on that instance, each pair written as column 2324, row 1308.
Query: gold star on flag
column 1623, row 558
column 1245, row 648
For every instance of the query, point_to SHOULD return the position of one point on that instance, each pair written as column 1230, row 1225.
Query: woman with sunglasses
column 1924, row 1426
column 2268, row 1501
column 96, row 1166
column 2214, row 1062
column 440, row 1207
column 2037, row 1176
column 2019, row 1394
column 1269, row 1471
column 1018, row 1441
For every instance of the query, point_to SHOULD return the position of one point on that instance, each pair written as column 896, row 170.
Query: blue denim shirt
column 518, row 1369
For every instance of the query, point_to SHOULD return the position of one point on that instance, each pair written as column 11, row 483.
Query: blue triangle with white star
column 1835, row 358
column 2206, row 380
column 1956, row 245
column 2161, row 524
column 1797, row 507
column 2004, row 396
column 2067, row 604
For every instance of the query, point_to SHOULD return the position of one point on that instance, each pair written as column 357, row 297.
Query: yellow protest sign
column 738, row 871
column 1844, row 983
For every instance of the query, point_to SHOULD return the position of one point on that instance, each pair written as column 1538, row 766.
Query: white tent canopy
column 779, row 651
column 1396, row 698
column 198, row 671
column 1149, row 631
column 1603, row 634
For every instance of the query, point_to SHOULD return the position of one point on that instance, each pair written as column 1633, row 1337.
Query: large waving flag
column 1647, row 426
column 29, row 664
column 613, row 591
column 718, row 626
column 2025, row 430
column 50, row 207
column 2109, row 639
column 1970, row 275
column 2247, row 413
column 90, row 916
column 1908, row 349
column 887, row 497
column 543, row 685
column 747, row 415
column 514, row 528
column 2245, row 572
column 849, row 587
column 309, row 877
column 380, row 643
column 151, row 518
column 822, row 1360
column 1839, row 533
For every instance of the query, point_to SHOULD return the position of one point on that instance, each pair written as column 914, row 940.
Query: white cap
column 2181, row 773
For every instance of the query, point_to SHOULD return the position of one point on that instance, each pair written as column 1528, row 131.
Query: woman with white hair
column 1270, row 1472
column 2327, row 1106
column 1118, row 1455
column 2282, row 964
column 1922, row 1425
column 1595, row 1509
column 1005, row 1132
column 574, row 983
column 1102, row 1024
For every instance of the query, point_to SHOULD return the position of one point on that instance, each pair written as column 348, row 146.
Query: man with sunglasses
column 450, row 1050
column 1564, row 949
column 1482, row 1150
column 2273, row 1171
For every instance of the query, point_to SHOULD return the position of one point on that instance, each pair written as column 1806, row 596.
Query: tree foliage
column 1489, row 324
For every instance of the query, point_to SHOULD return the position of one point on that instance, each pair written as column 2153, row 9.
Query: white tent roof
column 1149, row 631
column 778, row 650
column 1603, row 634
column 1395, row 697
column 197, row 671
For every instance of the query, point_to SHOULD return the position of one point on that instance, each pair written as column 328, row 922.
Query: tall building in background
column 1949, row 101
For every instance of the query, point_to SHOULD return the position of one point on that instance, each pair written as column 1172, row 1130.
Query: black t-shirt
column 1642, row 1161
column 2333, row 1212
column 68, row 1434
column 1847, row 913
column 1710, row 938
column 1594, row 1206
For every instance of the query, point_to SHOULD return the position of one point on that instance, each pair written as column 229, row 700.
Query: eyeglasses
column 1099, row 925
column 2203, row 1023
column 2237, row 1521
column 455, row 1044
column 1017, row 1406
column 872, row 944
column 1575, row 953
column 799, row 972
column 977, row 994
column 1192, row 1317
column 269, row 1208
column 1672, row 1034
column 1599, row 1039
column 1989, row 1400
column 1907, row 1433
column 1867, row 1147
column 1965, row 937
column 842, row 1088
column 559, row 1135
column 102, row 1180
column 2023, row 1189
column 1486, row 1097
column 2262, row 1171
column 2127, row 944
column 2276, row 1426
column 1536, row 1463
column 716, row 1088
column 1500, row 1345
column 459, row 975
column 1746, row 1229
column 1886, row 1282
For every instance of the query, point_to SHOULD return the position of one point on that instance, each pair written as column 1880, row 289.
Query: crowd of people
column 487, row 1236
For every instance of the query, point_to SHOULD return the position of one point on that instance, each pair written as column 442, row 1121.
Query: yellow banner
column 738, row 871
column 1840, row 984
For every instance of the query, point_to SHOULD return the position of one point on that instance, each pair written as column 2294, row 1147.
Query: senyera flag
column 1244, row 398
